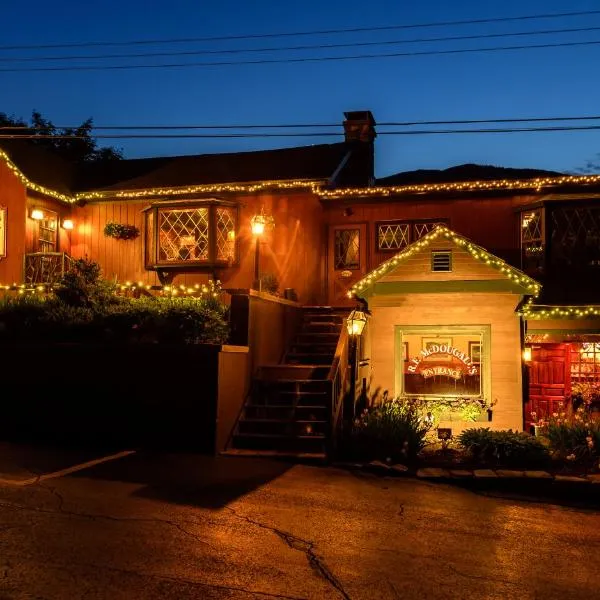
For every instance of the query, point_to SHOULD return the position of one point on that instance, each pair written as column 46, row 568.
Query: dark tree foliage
column 592, row 166
column 75, row 144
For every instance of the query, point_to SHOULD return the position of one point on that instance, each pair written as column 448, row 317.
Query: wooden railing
column 339, row 380
column 45, row 267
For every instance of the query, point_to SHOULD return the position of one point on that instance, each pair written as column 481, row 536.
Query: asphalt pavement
column 180, row 526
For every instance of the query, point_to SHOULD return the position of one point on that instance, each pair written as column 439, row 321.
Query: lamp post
column 258, row 224
column 355, row 324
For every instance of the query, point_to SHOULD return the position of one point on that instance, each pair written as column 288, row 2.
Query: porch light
column 37, row 214
column 356, row 322
column 527, row 354
column 68, row 224
column 257, row 224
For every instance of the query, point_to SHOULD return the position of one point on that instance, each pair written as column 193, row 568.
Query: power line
column 304, row 47
column 313, row 125
column 304, row 59
column 311, row 134
column 306, row 33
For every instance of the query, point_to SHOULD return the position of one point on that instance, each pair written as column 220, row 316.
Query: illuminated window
column 585, row 362
column 347, row 249
column 191, row 234
column 396, row 235
column 532, row 241
column 442, row 361
column 47, row 232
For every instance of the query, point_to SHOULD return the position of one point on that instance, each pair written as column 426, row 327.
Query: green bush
column 393, row 431
column 504, row 448
column 85, row 309
column 83, row 286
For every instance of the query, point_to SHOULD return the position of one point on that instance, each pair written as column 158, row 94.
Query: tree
column 75, row 144
column 591, row 167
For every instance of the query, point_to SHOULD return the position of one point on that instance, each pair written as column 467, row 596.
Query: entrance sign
column 428, row 372
column 447, row 351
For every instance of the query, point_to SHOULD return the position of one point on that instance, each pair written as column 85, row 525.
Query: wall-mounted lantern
column 37, row 214
column 527, row 354
column 258, row 224
column 356, row 322
column 68, row 224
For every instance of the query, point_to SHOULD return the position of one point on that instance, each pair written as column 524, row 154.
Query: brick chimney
column 359, row 133
column 359, row 126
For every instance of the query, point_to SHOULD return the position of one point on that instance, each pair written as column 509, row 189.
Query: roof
column 466, row 172
column 45, row 168
column 364, row 286
column 317, row 162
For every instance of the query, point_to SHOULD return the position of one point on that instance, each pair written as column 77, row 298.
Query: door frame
column 364, row 255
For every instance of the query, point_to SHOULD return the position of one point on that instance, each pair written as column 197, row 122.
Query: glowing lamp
column 37, row 214
column 68, row 224
column 231, row 236
column 356, row 322
column 257, row 224
column 527, row 354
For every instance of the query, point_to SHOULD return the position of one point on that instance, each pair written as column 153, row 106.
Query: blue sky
column 549, row 82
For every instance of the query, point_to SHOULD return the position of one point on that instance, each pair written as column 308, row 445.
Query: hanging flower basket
column 120, row 231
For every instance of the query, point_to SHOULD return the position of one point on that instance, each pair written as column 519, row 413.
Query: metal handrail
column 337, row 377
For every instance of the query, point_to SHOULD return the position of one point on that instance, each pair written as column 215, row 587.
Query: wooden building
column 411, row 245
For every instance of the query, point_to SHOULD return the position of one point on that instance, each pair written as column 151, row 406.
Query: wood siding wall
column 14, row 197
column 488, row 221
column 418, row 266
column 292, row 251
column 495, row 310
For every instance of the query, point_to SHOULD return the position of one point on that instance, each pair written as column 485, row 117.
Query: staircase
column 288, row 412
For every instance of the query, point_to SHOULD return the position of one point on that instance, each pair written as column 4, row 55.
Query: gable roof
column 318, row 162
column 365, row 285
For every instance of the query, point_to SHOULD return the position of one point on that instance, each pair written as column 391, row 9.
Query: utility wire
column 312, row 125
column 312, row 134
column 305, row 47
column 305, row 33
column 302, row 60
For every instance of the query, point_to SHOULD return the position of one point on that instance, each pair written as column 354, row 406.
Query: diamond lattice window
column 396, row 235
column 183, row 235
column 532, row 241
column 200, row 234
column 347, row 249
column 393, row 236
column 225, row 233
column 423, row 228
column 575, row 238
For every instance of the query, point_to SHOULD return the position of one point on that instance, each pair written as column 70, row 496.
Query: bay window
column 191, row 235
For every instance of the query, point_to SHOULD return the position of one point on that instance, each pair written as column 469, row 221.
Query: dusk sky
column 560, row 81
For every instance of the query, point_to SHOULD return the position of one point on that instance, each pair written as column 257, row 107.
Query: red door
column 549, row 381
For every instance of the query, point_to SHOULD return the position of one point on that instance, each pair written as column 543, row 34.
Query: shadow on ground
column 187, row 479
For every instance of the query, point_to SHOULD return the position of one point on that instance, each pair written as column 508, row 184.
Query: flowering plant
column 120, row 231
column 469, row 408
column 572, row 435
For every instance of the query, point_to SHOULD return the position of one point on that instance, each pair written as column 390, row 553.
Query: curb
column 498, row 479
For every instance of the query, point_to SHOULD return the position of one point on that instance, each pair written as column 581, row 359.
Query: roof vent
column 441, row 261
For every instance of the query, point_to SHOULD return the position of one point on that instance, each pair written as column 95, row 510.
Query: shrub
column 85, row 309
column 504, row 448
column 394, row 430
column 82, row 285
column 573, row 436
